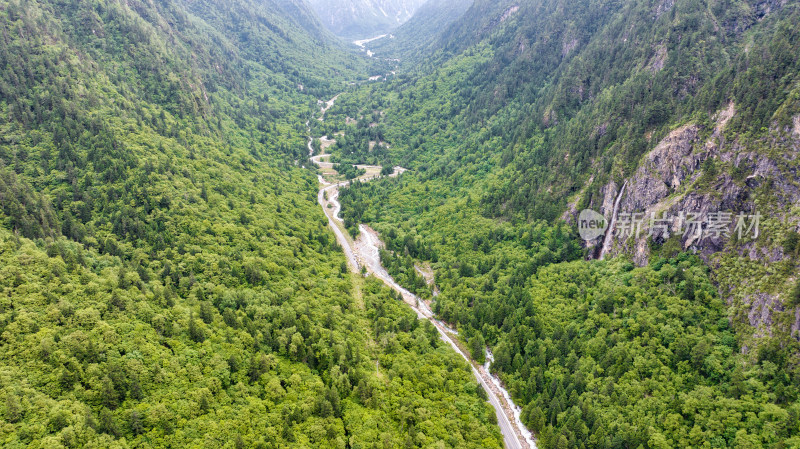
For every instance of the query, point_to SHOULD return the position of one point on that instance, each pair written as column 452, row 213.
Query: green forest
column 599, row 354
column 498, row 140
column 168, row 278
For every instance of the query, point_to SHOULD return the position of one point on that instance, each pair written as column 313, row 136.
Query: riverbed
column 364, row 252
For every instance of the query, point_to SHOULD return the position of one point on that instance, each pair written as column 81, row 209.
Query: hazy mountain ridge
column 410, row 41
column 359, row 19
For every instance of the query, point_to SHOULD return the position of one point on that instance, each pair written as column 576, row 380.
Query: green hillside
column 168, row 279
column 552, row 95
column 412, row 41
column 528, row 112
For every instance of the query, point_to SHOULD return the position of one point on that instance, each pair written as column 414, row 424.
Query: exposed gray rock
column 795, row 330
column 670, row 183
column 796, row 130
column 609, row 192
column 662, row 7
column 658, row 60
column 761, row 309
column 664, row 186
column 664, row 169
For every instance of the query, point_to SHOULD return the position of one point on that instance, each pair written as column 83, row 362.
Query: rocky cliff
column 732, row 199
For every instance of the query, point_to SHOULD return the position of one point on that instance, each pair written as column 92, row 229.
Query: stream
column 364, row 252
column 609, row 237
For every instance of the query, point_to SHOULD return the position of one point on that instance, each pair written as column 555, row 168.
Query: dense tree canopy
column 530, row 108
column 166, row 276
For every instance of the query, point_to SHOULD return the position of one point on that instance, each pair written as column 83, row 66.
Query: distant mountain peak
column 364, row 18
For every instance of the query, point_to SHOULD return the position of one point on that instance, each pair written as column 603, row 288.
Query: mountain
column 361, row 19
column 420, row 31
column 524, row 113
column 167, row 278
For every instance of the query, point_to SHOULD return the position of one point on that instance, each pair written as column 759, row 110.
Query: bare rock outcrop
column 673, row 188
column 693, row 174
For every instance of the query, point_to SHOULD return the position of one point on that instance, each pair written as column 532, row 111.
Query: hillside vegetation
column 168, row 279
column 525, row 113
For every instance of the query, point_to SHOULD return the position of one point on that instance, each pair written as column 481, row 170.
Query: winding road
column 365, row 252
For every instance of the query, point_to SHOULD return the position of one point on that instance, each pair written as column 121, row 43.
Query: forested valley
column 527, row 112
column 168, row 278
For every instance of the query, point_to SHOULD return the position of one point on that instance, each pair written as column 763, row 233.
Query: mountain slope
column 410, row 41
column 527, row 112
column 360, row 19
column 166, row 276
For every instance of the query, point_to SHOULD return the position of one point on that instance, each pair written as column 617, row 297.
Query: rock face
column 666, row 167
column 686, row 179
column 693, row 186
column 762, row 307
column 797, row 127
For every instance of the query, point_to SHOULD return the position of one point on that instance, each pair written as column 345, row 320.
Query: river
column 365, row 252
